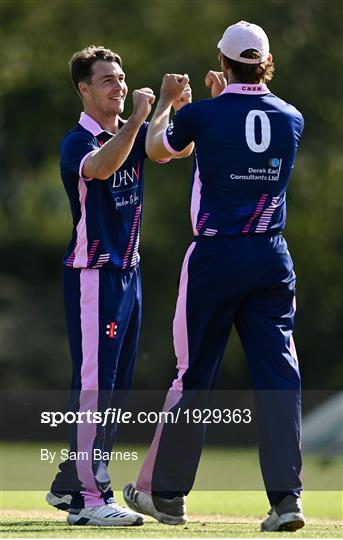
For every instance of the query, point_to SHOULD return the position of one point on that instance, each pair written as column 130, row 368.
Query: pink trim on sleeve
column 86, row 178
column 168, row 147
column 163, row 161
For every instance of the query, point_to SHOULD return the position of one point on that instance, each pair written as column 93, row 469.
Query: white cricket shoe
column 285, row 516
column 110, row 515
column 58, row 500
column 169, row 512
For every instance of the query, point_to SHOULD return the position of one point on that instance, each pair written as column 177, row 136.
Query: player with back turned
column 236, row 271
column 102, row 161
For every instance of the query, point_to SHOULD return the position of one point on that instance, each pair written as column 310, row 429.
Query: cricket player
column 101, row 163
column 236, row 271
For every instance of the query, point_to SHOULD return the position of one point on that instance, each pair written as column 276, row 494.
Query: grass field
column 211, row 514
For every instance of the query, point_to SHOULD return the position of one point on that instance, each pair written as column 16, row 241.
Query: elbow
column 103, row 176
column 154, row 156
column 185, row 153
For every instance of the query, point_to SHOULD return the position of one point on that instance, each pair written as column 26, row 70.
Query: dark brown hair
column 251, row 73
column 81, row 63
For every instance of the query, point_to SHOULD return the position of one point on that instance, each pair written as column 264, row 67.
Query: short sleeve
column 181, row 130
column 75, row 148
column 298, row 125
column 301, row 123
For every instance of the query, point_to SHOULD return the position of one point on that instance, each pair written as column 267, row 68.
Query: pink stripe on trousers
column 86, row 432
column 175, row 392
column 145, row 475
column 180, row 327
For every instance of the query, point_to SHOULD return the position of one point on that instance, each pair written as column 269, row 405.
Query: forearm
column 154, row 143
column 113, row 153
column 158, row 124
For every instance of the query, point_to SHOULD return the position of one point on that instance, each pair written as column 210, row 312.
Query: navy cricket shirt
column 246, row 141
column 106, row 213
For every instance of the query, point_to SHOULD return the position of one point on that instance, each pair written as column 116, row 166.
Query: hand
column 142, row 101
column 216, row 81
column 173, row 86
column 183, row 99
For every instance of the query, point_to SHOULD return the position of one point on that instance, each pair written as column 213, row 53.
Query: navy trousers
column 248, row 281
column 103, row 313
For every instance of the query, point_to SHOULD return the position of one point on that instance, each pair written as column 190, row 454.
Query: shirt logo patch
column 126, row 177
column 170, row 128
column 111, row 331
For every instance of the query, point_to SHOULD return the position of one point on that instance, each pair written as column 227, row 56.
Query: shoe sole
column 166, row 519
column 65, row 507
column 83, row 521
column 291, row 526
column 288, row 524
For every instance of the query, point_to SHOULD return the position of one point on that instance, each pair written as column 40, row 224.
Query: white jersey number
column 250, row 131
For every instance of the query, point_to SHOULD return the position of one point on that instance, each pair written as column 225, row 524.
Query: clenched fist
column 183, row 99
column 216, row 81
column 173, row 86
column 142, row 101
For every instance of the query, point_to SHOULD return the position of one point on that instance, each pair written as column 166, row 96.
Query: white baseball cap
column 241, row 36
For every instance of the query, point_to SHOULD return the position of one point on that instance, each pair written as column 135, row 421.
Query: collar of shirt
column 88, row 123
column 246, row 88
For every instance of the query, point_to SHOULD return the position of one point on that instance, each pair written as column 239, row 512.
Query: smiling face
column 105, row 94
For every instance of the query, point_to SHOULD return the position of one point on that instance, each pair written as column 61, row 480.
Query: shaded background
column 154, row 37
